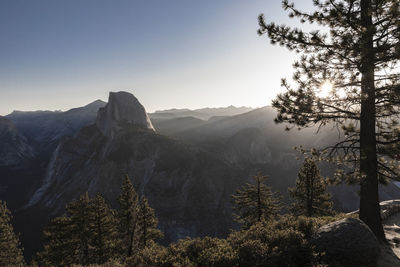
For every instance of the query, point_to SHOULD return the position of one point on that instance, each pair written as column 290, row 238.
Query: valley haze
column 188, row 163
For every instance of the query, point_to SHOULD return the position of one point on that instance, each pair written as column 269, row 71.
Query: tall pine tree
column 104, row 239
column 357, row 53
column 58, row 245
column 128, row 204
column 66, row 240
column 79, row 213
column 88, row 234
column 255, row 202
column 147, row 224
column 10, row 248
column 310, row 194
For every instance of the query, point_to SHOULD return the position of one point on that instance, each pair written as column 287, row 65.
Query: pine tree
column 147, row 224
column 104, row 238
column 88, row 234
column 358, row 53
column 128, row 202
column 58, row 244
column 255, row 202
column 310, row 194
column 79, row 213
column 10, row 248
column 66, row 240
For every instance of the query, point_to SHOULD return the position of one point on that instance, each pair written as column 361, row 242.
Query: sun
column 325, row 89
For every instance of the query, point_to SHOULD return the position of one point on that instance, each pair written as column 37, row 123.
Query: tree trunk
column 131, row 236
column 259, row 199
column 369, row 196
column 308, row 188
column 312, row 178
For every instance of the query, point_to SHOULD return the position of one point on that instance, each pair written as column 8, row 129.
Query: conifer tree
column 255, row 202
column 88, row 234
column 10, row 248
column 128, row 202
column 66, row 240
column 147, row 224
column 310, row 194
column 58, row 244
column 356, row 54
column 104, row 238
column 79, row 213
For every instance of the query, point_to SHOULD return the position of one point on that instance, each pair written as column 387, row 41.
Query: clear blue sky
column 170, row 53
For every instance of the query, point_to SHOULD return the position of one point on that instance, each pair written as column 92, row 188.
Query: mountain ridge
column 188, row 187
column 188, row 168
column 48, row 127
column 201, row 113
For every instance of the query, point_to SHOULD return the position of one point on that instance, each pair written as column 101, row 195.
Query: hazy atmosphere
column 177, row 133
column 56, row 55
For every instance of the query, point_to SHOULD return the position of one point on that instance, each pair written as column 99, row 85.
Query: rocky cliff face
column 17, row 159
column 14, row 148
column 190, row 189
column 122, row 108
column 27, row 142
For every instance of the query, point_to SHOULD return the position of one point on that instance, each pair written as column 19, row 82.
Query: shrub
column 201, row 252
column 151, row 255
column 271, row 244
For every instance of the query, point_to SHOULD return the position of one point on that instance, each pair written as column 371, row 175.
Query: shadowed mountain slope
column 189, row 188
column 14, row 146
column 254, row 143
column 44, row 129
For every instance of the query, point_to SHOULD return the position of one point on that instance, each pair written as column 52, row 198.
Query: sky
column 57, row 55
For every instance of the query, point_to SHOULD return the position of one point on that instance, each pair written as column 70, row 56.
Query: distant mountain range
column 187, row 162
column 48, row 127
column 203, row 113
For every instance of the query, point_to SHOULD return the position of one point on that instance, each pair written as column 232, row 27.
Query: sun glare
column 325, row 89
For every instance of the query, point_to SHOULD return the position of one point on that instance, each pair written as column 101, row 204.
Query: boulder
column 348, row 242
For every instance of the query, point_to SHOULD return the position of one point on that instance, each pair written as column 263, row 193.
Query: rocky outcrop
column 348, row 242
column 122, row 108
